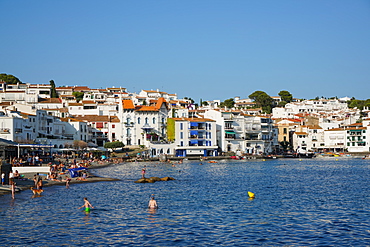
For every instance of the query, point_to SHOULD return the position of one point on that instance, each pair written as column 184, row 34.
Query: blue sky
column 202, row 49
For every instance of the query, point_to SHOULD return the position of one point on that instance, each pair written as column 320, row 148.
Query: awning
column 193, row 141
column 194, row 132
column 192, row 124
column 230, row 132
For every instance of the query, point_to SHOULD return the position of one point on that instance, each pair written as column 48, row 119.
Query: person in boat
column 152, row 203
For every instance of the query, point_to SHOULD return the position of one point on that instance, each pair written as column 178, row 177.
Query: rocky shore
column 26, row 182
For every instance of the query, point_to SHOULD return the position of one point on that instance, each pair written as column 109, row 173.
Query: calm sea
column 313, row 202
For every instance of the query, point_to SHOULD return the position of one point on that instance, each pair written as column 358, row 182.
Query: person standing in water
column 152, row 203
column 87, row 205
column 143, row 171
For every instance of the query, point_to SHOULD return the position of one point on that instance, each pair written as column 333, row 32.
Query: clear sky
column 202, row 49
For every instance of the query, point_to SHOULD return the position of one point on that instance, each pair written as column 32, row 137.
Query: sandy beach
column 27, row 182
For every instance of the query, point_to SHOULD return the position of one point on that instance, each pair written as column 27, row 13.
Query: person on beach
column 87, row 205
column 16, row 174
column 3, row 178
column 11, row 177
column 143, row 171
column 152, row 203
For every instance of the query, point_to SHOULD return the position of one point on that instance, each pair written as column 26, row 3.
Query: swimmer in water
column 87, row 205
column 152, row 203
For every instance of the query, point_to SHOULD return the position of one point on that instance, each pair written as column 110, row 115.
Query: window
column 99, row 125
column 138, row 120
column 146, row 120
column 181, row 135
column 181, row 126
column 284, row 131
column 181, row 143
column 154, row 120
column 113, row 126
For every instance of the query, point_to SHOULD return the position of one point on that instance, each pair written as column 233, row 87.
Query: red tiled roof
column 128, row 104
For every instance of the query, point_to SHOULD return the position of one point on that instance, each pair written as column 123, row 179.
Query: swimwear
column 87, row 209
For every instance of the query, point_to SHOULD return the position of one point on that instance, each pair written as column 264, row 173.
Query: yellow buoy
column 250, row 194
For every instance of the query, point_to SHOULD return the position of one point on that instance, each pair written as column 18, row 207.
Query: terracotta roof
column 314, row 127
column 158, row 105
column 97, row 118
column 86, row 102
column 153, row 91
column 81, row 88
column 335, row 129
column 69, row 119
column 128, row 104
column 355, row 124
column 50, row 100
column 75, row 104
column 300, row 133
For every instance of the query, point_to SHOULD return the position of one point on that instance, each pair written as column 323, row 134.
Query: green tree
column 263, row 100
column 360, row 104
column 286, row 96
column 79, row 96
column 9, row 79
column 114, row 145
column 229, row 103
column 53, row 91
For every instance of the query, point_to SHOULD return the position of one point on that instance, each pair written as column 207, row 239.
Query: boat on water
column 301, row 155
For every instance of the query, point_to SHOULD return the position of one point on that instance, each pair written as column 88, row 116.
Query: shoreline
column 27, row 183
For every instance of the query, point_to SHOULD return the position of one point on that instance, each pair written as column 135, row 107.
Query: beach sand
column 26, row 183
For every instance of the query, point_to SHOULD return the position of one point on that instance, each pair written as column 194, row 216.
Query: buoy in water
column 250, row 194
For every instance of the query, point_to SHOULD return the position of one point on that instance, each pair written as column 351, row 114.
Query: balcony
column 196, row 137
column 4, row 131
column 129, row 124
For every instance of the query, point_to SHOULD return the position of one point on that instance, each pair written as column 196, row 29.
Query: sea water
column 309, row 202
